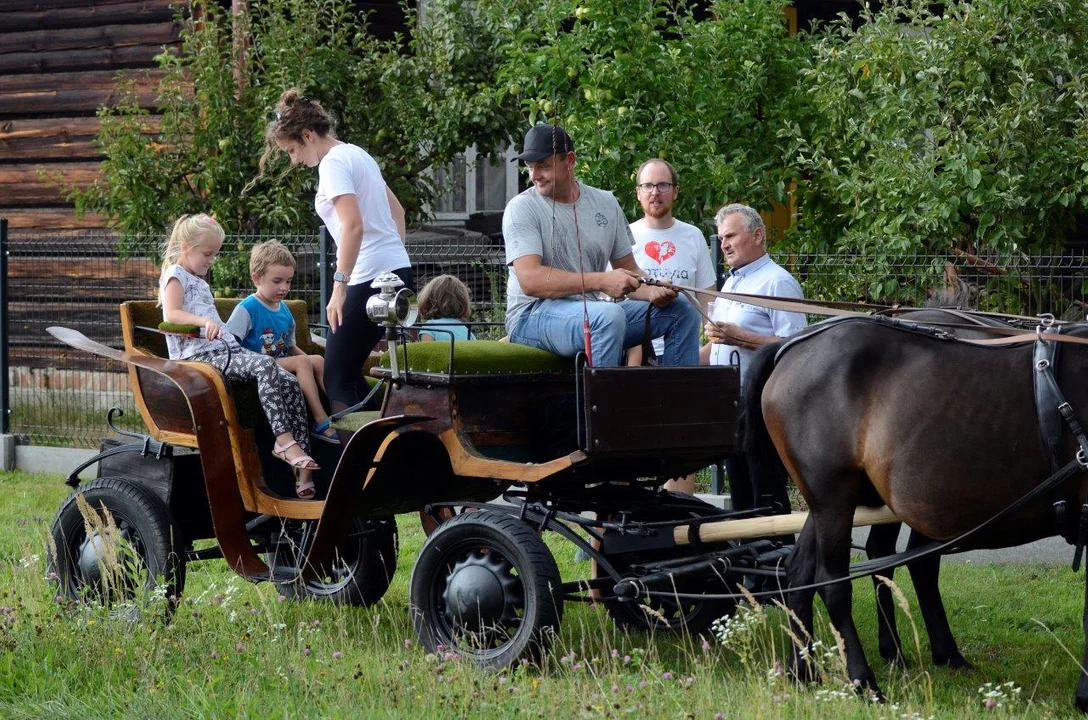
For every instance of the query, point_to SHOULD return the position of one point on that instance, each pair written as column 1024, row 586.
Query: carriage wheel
column 362, row 571
column 664, row 613
column 486, row 585
column 125, row 553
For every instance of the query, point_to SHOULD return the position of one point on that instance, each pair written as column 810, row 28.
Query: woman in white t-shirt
column 365, row 219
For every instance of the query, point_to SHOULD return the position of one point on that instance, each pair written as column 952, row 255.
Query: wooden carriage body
column 460, row 422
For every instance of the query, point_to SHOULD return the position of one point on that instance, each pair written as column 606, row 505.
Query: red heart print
column 660, row 252
column 653, row 250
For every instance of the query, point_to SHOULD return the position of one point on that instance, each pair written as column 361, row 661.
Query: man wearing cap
column 560, row 237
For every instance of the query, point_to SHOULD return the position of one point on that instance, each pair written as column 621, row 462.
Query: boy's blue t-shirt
column 447, row 325
column 270, row 332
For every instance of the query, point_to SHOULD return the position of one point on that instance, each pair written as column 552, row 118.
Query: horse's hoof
column 1082, row 703
column 867, row 687
column 803, row 672
column 953, row 662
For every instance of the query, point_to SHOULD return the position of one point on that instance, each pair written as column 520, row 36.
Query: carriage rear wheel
column 122, row 548
column 668, row 613
column 486, row 585
column 361, row 572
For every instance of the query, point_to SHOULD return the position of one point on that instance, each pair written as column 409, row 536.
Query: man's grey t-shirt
column 528, row 229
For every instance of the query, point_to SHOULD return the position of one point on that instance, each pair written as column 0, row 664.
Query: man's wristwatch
column 340, row 277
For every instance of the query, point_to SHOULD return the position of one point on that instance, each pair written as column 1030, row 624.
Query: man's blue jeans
column 556, row 326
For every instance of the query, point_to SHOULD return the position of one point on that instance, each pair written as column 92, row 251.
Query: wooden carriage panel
column 163, row 407
column 654, row 411
column 532, row 418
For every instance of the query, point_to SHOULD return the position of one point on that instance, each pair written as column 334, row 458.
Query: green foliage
column 634, row 80
column 411, row 102
column 927, row 132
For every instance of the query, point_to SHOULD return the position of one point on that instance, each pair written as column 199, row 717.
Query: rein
column 1079, row 464
column 1015, row 336
column 827, row 307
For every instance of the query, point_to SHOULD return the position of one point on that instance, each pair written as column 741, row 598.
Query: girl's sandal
column 305, row 488
column 325, row 430
column 302, row 462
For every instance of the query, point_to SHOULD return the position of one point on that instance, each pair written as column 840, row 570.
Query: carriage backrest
column 148, row 314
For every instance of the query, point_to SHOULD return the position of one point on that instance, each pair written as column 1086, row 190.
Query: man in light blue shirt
column 739, row 329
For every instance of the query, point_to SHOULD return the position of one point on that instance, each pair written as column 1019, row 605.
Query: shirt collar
column 751, row 267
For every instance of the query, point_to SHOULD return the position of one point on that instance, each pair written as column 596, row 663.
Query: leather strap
column 821, row 307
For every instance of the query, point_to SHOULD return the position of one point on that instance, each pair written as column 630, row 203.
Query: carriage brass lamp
column 390, row 308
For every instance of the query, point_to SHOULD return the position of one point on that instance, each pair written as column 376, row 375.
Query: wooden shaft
column 773, row 525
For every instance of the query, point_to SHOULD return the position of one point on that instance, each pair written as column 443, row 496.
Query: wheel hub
column 481, row 593
column 92, row 556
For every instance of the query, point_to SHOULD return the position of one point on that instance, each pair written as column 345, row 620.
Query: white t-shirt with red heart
column 679, row 253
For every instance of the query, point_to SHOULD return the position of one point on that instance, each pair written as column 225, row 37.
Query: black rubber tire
column 519, row 569
column 143, row 521
column 367, row 561
column 692, row 616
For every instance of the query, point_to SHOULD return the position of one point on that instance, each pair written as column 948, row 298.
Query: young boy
column 263, row 323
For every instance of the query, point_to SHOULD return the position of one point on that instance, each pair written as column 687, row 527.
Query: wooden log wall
column 59, row 62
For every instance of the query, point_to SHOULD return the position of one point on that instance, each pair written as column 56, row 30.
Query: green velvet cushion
column 147, row 313
column 354, row 421
column 478, row 357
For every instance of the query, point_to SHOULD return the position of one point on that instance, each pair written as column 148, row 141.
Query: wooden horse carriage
column 527, row 441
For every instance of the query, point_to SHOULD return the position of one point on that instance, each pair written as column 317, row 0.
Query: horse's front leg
column 833, row 541
column 925, row 574
column 1082, row 685
column 800, row 571
column 881, row 544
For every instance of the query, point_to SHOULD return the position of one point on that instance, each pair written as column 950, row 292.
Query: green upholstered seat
column 354, row 421
column 478, row 357
column 146, row 313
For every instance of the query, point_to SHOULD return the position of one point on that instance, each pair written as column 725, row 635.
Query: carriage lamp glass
column 392, row 306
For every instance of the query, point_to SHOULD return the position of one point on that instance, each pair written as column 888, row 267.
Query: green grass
column 236, row 649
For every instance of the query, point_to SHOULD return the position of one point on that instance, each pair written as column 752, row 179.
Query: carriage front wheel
column 116, row 543
column 486, row 586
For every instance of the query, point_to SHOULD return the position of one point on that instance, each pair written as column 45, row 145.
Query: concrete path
column 1051, row 551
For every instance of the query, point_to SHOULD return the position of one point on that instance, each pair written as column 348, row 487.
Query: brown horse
column 863, row 412
column 925, row 570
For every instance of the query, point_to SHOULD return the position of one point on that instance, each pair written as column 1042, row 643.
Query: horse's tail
column 767, row 470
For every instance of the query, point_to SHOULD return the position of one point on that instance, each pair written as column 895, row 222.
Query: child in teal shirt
column 445, row 307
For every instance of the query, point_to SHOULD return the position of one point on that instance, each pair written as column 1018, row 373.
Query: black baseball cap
column 544, row 140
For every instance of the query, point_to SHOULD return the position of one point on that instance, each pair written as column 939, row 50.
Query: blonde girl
column 186, row 299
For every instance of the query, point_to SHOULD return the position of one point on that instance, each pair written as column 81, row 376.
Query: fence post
column 5, row 389
column 717, row 470
column 325, row 270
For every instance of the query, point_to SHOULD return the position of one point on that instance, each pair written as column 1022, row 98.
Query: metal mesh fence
column 1019, row 284
column 59, row 396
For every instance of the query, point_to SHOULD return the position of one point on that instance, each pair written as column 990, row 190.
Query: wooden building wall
column 59, row 60
column 58, row 64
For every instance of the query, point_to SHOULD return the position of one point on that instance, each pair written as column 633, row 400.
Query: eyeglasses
column 661, row 187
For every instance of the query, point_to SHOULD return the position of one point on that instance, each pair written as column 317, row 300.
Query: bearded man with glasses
column 667, row 248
